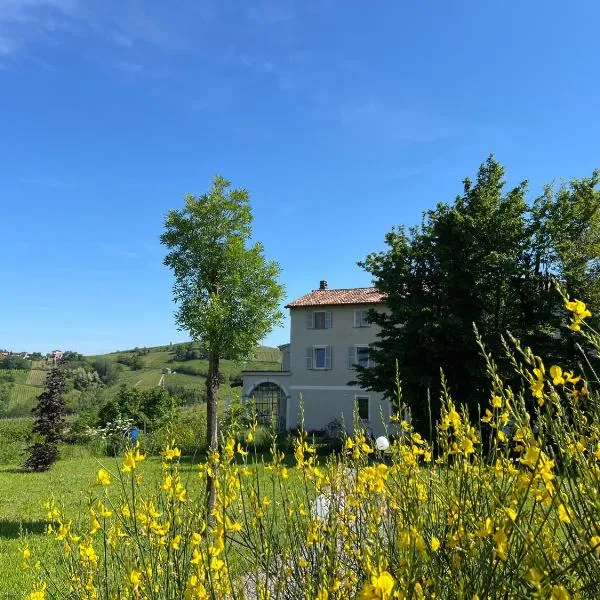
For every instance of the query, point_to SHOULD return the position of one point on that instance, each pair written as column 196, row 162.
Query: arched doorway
column 270, row 404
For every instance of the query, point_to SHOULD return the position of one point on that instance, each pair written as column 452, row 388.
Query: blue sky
column 341, row 119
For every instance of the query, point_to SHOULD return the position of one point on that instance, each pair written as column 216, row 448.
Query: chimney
column 322, row 284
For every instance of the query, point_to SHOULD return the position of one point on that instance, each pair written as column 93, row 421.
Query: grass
column 22, row 496
column 17, row 375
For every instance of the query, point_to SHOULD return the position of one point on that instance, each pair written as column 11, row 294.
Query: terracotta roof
column 345, row 296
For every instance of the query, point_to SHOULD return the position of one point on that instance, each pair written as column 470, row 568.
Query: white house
column 329, row 336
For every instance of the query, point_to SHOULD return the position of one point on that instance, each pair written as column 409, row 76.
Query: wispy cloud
column 396, row 123
column 48, row 182
column 269, row 12
column 117, row 251
column 140, row 69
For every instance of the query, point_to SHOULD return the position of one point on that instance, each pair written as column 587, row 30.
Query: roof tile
column 328, row 297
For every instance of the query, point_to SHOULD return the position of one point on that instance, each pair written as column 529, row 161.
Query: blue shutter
column 309, row 358
column 310, row 320
column 351, row 357
column 328, row 353
column 328, row 320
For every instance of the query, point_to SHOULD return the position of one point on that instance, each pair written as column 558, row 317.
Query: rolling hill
column 158, row 366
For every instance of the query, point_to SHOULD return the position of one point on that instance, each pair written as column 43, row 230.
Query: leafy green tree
column 84, row 379
column 226, row 290
column 490, row 259
column 107, row 369
column 49, row 423
column 149, row 408
column 14, row 362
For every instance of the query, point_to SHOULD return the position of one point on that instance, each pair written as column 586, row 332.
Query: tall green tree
column 487, row 258
column 49, row 424
column 227, row 292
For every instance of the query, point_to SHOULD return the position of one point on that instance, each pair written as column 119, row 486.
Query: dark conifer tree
column 49, row 423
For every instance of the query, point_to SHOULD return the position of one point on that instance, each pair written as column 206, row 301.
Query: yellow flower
column 568, row 375
column 497, row 402
column 467, row 446
column 37, row 594
column 380, row 587
column 135, row 579
column 487, row 417
column 216, row 564
column 580, row 312
column 595, row 543
column 171, row 452
column 95, row 524
column 435, row 544
column 87, row 554
column 578, row 308
column 103, row 477
column 560, row 593
column 132, row 458
column 501, row 540
column 563, row 515
column 128, row 462
column 557, row 375
column 176, row 542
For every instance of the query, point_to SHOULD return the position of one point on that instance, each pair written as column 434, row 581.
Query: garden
column 505, row 506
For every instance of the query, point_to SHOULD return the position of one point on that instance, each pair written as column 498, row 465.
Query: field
column 36, row 377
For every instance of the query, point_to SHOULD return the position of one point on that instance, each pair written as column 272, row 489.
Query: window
column 270, row 404
column 362, row 356
column 319, row 319
column 362, row 403
column 359, row 355
column 360, row 318
column 318, row 357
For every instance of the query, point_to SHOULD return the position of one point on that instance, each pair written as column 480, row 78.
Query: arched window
column 270, row 403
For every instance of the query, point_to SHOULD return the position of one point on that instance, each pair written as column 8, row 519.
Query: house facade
column 329, row 335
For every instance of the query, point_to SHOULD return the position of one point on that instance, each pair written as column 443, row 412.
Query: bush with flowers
column 508, row 507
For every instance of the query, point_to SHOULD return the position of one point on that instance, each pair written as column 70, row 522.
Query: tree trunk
column 212, row 432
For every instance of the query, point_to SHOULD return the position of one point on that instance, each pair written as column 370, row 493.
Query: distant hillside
column 158, row 365
column 261, row 354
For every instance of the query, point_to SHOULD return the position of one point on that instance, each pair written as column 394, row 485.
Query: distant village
column 55, row 355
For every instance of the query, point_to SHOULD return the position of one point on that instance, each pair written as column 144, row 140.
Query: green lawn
column 22, row 496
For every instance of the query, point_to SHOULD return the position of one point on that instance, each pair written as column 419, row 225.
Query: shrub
column 133, row 361
column 146, row 408
column 14, row 434
column 188, row 396
column 188, row 427
column 107, row 369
